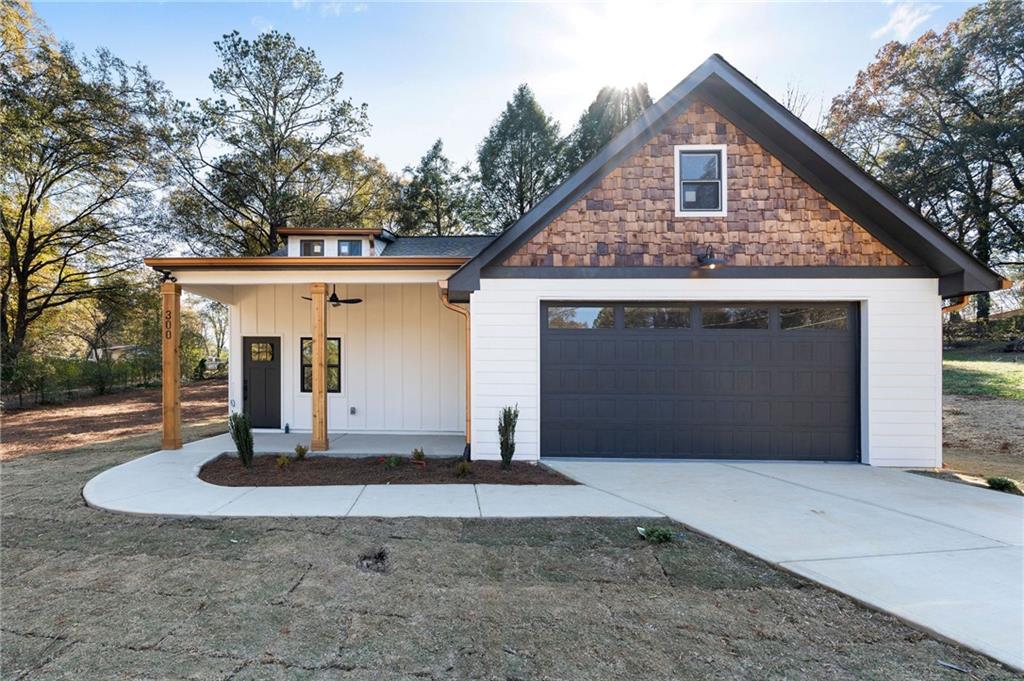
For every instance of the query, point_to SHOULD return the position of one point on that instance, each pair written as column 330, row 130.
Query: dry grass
column 133, row 418
column 983, row 436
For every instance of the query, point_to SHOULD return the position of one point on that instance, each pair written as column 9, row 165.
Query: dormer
column 335, row 242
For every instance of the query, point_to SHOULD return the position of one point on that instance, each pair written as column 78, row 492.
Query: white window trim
column 722, row 149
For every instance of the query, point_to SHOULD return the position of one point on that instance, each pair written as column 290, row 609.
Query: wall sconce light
column 708, row 260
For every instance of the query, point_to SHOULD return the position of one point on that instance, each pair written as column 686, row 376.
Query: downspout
column 442, row 288
column 960, row 302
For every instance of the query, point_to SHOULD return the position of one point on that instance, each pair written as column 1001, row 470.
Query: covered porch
column 362, row 358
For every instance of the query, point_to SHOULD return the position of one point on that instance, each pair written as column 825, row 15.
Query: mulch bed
column 226, row 470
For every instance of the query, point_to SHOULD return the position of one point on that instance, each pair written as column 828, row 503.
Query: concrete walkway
column 947, row 557
column 165, row 483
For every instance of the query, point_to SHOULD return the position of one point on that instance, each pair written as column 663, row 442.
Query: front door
column 261, row 381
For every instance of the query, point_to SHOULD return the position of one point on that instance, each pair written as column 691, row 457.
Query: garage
column 707, row 380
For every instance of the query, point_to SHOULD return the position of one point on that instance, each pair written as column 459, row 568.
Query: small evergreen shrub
column 241, row 432
column 656, row 534
column 300, row 452
column 283, row 461
column 1003, row 485
column 392, row 461
column 462, row 469
column 507, row 434
column 418, row 454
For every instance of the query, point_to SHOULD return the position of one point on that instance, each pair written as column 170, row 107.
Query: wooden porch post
column 318, row 292
column 170, row 295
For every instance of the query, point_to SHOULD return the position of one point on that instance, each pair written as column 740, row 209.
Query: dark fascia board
column 798, row 146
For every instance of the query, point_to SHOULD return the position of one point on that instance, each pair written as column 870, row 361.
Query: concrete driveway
column 947, row 557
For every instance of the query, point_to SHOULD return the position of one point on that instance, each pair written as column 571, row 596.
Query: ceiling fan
column 335, row 301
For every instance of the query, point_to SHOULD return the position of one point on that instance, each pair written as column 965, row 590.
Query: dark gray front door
column 261, row 380
column 700, row 380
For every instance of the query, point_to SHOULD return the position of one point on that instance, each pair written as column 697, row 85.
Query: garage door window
column 581, row 317
column 819, row 317
column 734, row 317
column 661, row 317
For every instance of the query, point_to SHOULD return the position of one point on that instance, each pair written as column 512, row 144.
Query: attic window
column 700, row 180
column 311, row 247
column 350, row 247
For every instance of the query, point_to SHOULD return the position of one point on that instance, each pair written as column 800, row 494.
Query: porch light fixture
column 708, row 260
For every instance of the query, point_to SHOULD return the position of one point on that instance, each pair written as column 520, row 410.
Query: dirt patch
column 226, row 470
column 93, row 595
column 105, row 418
column 982, row 436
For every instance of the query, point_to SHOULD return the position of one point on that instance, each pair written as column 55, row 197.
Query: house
column 718, row 282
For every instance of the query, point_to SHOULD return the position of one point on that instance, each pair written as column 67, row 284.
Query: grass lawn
column 983, row 409
column 983, row 371
column 93, row 595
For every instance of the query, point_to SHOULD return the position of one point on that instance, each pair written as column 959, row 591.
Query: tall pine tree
column 520, row 159
column 611, row 111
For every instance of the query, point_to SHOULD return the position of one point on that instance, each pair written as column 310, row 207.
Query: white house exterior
column 718, row 282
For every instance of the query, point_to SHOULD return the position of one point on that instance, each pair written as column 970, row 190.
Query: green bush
column 300, row 452
column 507, row 434
column 656, row 534
column 283, row 461
column 199, row 373
column 418, row 454
column 392, row 461
column 462, row 469
column 241, row 433
column 1003, row 485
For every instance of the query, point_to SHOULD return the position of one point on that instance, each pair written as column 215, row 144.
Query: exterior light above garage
column 709, row 260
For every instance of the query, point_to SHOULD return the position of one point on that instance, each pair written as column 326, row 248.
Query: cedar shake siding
column 774, row 217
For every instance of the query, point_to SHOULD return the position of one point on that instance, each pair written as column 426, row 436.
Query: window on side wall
column 350, row 247
column 312, row 247
column 700, row 180
column 333, row 365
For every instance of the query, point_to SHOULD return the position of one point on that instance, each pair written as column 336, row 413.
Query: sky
column 429, row 70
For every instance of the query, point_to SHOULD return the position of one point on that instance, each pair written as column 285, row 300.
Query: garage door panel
column 761, row 393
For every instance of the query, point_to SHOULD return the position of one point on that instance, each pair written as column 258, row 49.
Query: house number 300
column 168, row 325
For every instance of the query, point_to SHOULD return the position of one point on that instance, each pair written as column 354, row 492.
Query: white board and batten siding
column 901, row 352
column 403, row 356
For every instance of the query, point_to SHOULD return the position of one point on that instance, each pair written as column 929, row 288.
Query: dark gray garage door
column 700, row 380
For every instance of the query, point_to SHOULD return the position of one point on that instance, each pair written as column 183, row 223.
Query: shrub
column 283, row 461
column 1003, row 485
column 462, row 469
column 241, row 433
column 418, row 454
column 392, row 461
column 507, row 434
column 300, row 452
column 656, row 534
column 199, row 373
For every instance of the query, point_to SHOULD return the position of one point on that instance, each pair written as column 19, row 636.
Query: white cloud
column 331, row 7
column 904, row 18
column 261, row 24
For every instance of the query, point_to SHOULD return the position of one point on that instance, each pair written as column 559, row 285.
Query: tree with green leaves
column 78, row 170
column 437, row 198
column 611, row 111
column 519, row 160
column 940, row 121
column 274, row 144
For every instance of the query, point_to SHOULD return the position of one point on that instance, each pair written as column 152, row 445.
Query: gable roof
column 795, row 144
